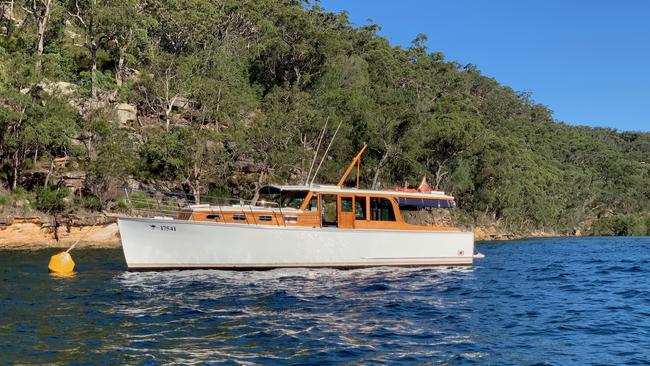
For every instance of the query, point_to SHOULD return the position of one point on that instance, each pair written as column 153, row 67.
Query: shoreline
column 31, row 233
column 34, row 233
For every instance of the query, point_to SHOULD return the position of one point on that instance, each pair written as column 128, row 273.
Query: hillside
column 220, row 97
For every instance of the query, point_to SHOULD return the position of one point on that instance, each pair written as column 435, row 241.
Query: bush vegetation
column 233, row 94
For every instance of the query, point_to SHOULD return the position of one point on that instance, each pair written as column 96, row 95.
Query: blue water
column 546, row 302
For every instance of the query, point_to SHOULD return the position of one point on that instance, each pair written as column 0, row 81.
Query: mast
column 325, row 154
column 356, row 161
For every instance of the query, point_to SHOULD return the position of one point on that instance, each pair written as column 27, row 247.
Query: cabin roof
column 318, row 188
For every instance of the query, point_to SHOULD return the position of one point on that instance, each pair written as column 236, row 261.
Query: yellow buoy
column 61, row 263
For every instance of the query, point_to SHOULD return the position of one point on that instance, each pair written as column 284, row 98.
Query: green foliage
column 165, row 155
column 113, row 157
column 634, row 224
column 5, row 199
column 51, row 200
column 91, row 203
column 231, row 95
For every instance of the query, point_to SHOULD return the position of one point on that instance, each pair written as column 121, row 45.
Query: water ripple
column 544, row 302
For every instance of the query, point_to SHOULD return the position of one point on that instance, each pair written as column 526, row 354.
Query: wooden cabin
column 335, row 206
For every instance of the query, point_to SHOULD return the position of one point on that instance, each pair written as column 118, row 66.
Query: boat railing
column 178, row 205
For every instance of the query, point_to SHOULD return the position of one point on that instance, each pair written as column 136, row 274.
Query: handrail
column 284, row 221
column 153, row 203
column 223, row 217
column 250, row 208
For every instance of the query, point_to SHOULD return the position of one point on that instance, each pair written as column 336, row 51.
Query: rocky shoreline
column 39, row 233
column 102, row 232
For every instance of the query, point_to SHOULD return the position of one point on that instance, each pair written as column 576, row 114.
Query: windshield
column 293, row 199
column 426, row 216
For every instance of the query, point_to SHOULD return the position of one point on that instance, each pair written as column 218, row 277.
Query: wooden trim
column 311, row 219
column 354, row 162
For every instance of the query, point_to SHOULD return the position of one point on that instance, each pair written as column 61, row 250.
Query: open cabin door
column 346, row 211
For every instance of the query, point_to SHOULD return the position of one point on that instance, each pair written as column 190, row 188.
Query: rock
column 181, row 103
column 133, row 184
column 58, row 87
column 6, row 12
column 74, row 180
column 486, row 233
column 60, row 162
column 26, row 233
column 21, row 203
column 132, row 74
column 126, row 112
column 76, row 175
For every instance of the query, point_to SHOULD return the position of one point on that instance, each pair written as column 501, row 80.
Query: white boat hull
column 175, row 244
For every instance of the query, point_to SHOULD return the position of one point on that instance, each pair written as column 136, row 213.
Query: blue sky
column 588, row 61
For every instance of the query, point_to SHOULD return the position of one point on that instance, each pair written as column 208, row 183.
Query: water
column 548, row 302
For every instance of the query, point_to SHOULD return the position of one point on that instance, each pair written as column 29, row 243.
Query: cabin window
column 265, row 218
column 415, row 215
column 291, row 219
column 212, row 216
column 381, row 209
column 346, row 204
column 313, row 204
column 269, row 197
column 360, row 208
column 424, row 212
column 329, row 214
column 292, row 199
column 239, row 217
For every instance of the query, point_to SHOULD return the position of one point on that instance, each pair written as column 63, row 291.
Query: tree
column 122, row 24
column 40, row 11
column 185, row 156
column 114, row 157
column 7, row 16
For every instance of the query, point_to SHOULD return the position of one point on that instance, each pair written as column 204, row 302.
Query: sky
column 587, row 60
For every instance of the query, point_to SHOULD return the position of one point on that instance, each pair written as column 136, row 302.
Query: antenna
column 326, row 151
column 320, row 139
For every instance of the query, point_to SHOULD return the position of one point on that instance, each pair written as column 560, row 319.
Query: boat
column 306, row 225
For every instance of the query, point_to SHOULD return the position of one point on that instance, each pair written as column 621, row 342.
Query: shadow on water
column 553, row 301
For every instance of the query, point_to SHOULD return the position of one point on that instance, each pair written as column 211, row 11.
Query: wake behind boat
column 294, row 226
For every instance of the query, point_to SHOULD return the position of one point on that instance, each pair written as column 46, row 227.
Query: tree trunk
column 375, row 178
column 93, row 70
column 440, row 174
column 119, row 70
column 258, row 185
column 119, row 65
column 216, row 122
column 14, row 182
column 196, row 193
column 49, row 173
column 88, row 144
column 167, row 111
column 41, row 27
column 10, row 25
column 168, row 101
column 196, row 187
